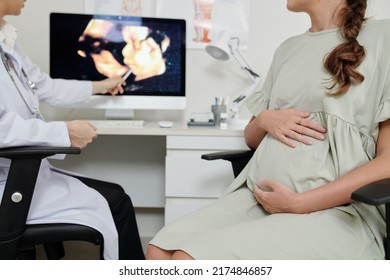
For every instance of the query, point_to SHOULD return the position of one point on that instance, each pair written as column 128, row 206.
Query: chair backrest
column 18, row 192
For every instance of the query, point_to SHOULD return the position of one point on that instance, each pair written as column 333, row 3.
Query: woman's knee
column 181, row 255
column 156, row 253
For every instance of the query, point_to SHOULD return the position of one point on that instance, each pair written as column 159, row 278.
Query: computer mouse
column 165, row 124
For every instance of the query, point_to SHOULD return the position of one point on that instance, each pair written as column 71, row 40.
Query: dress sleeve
column 383, row 111
column 259, row 101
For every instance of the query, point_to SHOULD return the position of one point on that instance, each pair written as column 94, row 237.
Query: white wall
column 270, row 23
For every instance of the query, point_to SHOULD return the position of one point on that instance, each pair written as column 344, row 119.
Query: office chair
column 18, row 240
column 376, row 193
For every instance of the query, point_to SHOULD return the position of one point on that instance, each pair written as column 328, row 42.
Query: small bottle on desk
column 223, row 120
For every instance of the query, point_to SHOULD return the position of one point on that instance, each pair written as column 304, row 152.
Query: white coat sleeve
column 55, row 91
column 17, row 131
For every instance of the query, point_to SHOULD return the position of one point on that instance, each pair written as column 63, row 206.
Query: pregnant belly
column 302, row 168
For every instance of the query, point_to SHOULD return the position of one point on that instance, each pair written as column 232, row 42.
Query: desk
column 179, row 128
column 160, row 168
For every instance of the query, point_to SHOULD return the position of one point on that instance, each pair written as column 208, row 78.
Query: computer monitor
column 151, row 50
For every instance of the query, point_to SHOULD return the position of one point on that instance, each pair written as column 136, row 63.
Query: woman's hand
column 277, row 198
column 110, row 85
column 81, row 133
column 290, row 124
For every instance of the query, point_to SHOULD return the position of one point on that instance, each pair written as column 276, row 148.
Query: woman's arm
column 335, row 193
column 253, row 134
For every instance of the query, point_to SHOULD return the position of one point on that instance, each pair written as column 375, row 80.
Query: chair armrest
column 376, row 193
column 238, row 159
column 36, row 151
column 229, row 155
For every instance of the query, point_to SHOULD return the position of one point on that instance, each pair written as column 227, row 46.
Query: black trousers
column 122, row 210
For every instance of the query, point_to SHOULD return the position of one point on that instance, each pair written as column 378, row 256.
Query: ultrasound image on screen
column 94, row 47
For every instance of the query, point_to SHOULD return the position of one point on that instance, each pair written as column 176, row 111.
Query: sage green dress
column 236, row 227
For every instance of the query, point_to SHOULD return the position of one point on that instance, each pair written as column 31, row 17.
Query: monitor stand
column 119, row 114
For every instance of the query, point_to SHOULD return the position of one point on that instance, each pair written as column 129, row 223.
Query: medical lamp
column 222, row 49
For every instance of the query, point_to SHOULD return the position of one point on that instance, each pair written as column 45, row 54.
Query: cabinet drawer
column 190, row 176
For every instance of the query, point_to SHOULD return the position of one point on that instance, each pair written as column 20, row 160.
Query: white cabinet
column 191, row 182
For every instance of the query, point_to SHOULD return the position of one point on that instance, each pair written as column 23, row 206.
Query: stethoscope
column 10, row 67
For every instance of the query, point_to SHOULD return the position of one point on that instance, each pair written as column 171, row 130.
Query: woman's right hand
column 286, row 125
column 81, row 133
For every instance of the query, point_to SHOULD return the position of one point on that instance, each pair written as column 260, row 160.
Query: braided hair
column 342, row 62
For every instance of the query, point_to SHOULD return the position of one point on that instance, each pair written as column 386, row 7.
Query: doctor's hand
column 112, row 85
column 290, row 124
column 81, row 133
column 276, row 198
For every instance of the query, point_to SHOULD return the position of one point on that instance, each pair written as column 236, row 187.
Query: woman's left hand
column 278, row 199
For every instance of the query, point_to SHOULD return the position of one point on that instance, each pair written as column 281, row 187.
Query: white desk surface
column 181, row 129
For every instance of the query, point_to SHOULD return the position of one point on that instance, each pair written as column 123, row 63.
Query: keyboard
column 118, row 123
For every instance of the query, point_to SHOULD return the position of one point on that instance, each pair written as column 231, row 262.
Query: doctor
column 59, row 197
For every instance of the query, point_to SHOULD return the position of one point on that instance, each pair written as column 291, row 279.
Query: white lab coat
column 58, row 198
